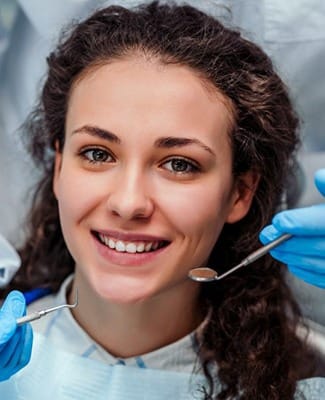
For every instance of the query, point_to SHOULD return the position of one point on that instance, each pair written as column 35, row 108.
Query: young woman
column 164, row 142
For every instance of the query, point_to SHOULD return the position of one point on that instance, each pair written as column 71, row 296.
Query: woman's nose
column 129, row 196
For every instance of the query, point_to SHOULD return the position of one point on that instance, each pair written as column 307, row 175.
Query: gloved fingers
column 6, row 373
column 26, row 347
column 269, row 233
column 7, row 328
column 310, row 263
column 9, row 349
column 301, row 221
column 15, row 304
column 15, row 342
column 308, row 276
column 17, row 353
column 13, row 307
column 13, row 356
column 303, row 245
column 320, row 181
column 21, row 355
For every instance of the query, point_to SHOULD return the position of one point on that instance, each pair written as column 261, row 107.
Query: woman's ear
column 57, row 168
column 243, row 192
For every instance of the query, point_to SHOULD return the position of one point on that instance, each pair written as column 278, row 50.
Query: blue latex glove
column 15, row 342
column 304, row 253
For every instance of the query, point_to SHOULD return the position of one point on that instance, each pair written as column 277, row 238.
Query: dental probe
column 205, row 274
column 39, row 314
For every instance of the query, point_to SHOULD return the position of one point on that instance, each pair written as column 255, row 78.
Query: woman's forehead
column 139, row 85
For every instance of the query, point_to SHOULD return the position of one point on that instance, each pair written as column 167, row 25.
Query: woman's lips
column 126, row 251
column 130, row 246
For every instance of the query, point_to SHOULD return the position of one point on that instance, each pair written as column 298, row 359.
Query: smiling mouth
column 131, row 247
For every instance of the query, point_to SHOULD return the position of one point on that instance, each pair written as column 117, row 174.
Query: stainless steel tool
column 205, row 274
column 39, row 314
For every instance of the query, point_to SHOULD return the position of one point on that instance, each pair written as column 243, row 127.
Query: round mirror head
column 203, row 274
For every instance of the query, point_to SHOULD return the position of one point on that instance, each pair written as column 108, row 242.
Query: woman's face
column 144, row 182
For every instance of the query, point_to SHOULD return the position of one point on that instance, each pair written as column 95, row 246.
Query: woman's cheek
column 196, row 208
column 79, row 193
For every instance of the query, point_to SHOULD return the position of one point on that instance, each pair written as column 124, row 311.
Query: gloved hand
column 304, row 253
column 15, row 342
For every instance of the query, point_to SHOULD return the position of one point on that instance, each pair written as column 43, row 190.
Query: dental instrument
column 205, row 274
column 39, row 314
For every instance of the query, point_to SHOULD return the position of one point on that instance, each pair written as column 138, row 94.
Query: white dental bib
column 60, row 375
column 56, row 374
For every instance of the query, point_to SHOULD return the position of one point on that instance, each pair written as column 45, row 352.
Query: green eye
column 181, row 166
column 97, row 155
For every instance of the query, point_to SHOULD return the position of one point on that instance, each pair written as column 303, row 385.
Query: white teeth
column 140, row 247
column 131, row 248
column 128, row 247
column 120, row 246
column 148, row 246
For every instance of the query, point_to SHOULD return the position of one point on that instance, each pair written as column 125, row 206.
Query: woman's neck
column 127, row 330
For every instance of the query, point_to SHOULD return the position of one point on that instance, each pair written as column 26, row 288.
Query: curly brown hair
column 250, row 334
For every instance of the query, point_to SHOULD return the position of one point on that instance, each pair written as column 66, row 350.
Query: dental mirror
column 205, row 274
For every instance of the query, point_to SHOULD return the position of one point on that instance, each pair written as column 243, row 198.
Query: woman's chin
column 124, row 293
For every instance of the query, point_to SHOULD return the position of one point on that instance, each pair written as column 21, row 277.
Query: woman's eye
column 97, row 155
column 181, row 166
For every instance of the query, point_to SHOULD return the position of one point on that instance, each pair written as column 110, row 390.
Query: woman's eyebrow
column 97, row 132
column 163, row 142
column 170, row 141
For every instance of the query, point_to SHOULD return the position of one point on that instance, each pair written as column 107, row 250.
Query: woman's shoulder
column 310, row 389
